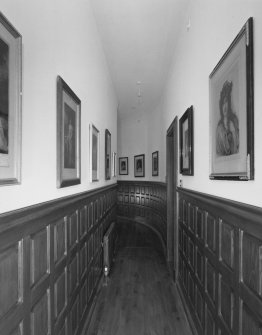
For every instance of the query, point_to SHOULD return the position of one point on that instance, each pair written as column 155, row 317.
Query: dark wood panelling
column 210, row 281
column 226, row 303
column 51, row 263
column 60, row 294
column 9, row 273
column 144, row 202
column 39, row 255
column 40, row 321
column 210, row 323
column 59, row 240
column 252, row 263
column 223, row 287
column 227, row 243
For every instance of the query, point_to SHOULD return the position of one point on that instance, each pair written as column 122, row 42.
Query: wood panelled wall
column 51, row 263
column 220, row 264
column 143, row 202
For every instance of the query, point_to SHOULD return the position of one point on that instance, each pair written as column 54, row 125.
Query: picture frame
column 231, row 87
column 107, row 154
column 186, row 143
column 139, row 165
column 68, row 135
column 123, row 165
column 10, row 103
column 94, row 152
column 155, row 163
column 113, row 164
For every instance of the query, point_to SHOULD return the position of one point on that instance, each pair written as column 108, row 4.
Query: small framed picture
column 186, row 143
column 10, row 103
column 94, row 152
column 113, row 164
column 139, row 165
column 68, row 135
column 231, row 93
column 155, row 163
column 107, row 154
column 123, row 165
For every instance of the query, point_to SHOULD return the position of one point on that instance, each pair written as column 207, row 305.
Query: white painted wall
column 141, row 133
column 59, row 38
column 214, row 25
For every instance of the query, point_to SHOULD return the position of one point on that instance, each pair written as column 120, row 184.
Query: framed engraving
column 68, row 135
column 186, row 143
column 232, row 112
column 10, row 103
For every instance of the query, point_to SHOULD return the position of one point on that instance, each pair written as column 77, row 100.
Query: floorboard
column 139, row 297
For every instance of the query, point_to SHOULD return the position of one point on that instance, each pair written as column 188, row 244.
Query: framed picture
column 123, row 165
column 231, row 87
column 10, row 103
column 186, row 143
column 155, row 163
column 68, row 135
column 139, row 165
column 113, row 164
column 107, row 154
column 94, row 152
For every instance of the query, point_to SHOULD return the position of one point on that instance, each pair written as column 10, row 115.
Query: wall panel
column 223, row 288
column 51, row 263
column 143, row 202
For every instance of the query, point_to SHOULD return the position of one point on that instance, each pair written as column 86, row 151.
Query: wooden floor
column 139, row 298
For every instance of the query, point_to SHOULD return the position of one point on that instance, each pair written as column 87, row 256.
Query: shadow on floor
column 140, row 297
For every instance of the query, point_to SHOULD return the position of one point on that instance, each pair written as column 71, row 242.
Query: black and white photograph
column 131, row 167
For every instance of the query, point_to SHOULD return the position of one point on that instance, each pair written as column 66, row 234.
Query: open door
column 172, row 213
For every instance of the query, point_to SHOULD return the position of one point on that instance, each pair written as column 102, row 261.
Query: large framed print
column 68, row 135
column 107, row 154
column 10, row 103
column 94, row 152
column 186, row 143
column 139, row 165
column 232, row 112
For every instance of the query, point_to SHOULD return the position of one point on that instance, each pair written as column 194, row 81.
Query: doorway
column 172, row 213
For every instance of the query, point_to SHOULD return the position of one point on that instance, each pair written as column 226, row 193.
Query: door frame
column 172, row 199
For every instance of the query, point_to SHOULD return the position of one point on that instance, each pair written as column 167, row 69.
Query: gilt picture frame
column 107, row 154
column 10, row 103
column 68, row 135
column 231, row 87
column 186, row 143
column 94, row 152
column 123, row 165
column 139, row 165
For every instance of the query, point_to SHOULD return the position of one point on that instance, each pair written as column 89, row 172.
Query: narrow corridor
column 140, row 297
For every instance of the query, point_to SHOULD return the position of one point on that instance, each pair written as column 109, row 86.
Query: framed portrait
column 107, row 154
column 123, row 165
column 94, row 152
column 155, row 163
column 68, row 135
column 139, row 165
column 186, row 143
column 10, row 103
column 231, row 88
column 113, row 164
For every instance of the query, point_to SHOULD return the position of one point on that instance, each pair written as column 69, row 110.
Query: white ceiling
column 139, row 38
